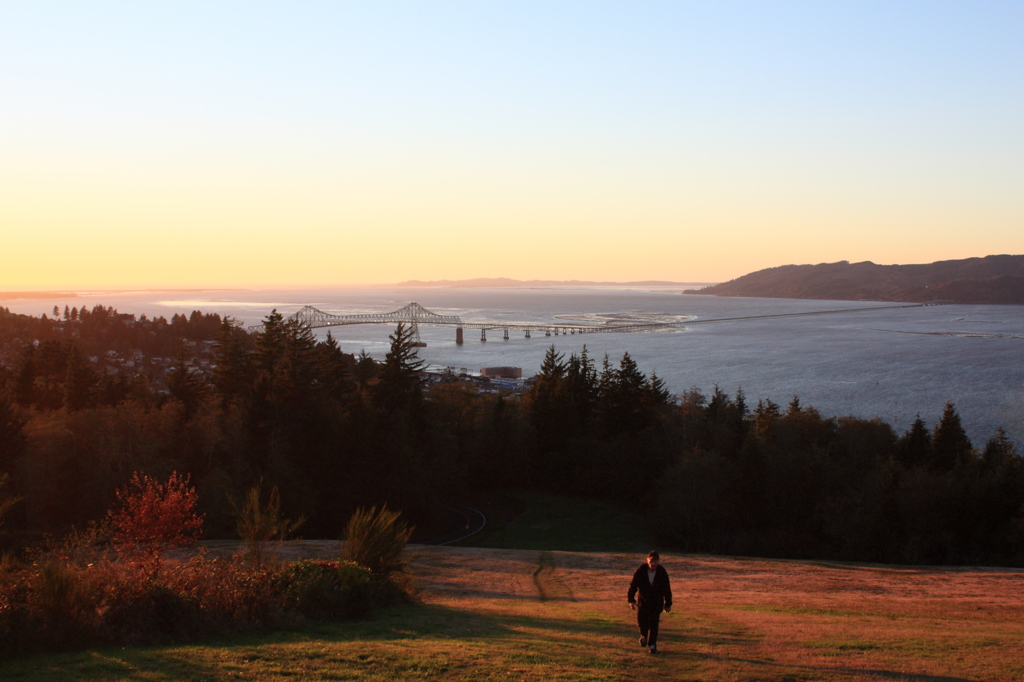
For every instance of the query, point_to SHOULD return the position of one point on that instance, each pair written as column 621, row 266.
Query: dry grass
column 537, row 615
column 749, row 619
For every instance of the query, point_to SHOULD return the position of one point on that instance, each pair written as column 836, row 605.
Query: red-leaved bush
column 65, row 604
column 152, row 517
column 78, row 594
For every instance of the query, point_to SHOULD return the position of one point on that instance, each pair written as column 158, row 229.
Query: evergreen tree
column 999, row 451
column 334, row 368
column 549, row 414
column 25, row 378
column 399, row 385
column 690, row 418
column 234, row 373
column 725, row 423
column 627, row 401
column 950, row 445
column 365, row 370
column 80, row 383
column 185, row 385
column 766, row 418
column 552, row 369
column 580, row 387
column 12, row 435
column 915, row 446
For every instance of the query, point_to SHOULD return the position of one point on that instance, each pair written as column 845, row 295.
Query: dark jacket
column 652, row 597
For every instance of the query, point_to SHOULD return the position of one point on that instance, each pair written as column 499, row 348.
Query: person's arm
column 631, row 595
column 668, row 594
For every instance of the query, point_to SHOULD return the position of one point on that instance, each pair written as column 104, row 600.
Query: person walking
column 651, row 581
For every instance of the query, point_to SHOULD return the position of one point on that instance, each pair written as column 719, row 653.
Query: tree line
column 336, row 431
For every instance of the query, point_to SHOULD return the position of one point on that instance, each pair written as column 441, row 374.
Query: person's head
column 653, row 559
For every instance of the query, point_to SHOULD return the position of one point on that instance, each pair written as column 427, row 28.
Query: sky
column 242, row 144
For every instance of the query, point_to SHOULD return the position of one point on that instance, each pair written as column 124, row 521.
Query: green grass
column 569, row 524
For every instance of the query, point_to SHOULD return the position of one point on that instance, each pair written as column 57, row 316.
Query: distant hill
column 505, row 282
column 992, row 279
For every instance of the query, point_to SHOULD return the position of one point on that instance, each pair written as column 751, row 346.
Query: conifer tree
column 915, row 446
column 233, row 375
column 366, row 369
column 333, row 367
column 25, row 378
column 399, row 385
column 12, row 435
column 950, row 445
column 184, row 384
column 80, row 382
column 999, row 451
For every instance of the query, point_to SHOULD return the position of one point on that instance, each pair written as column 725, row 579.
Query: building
column 502, row 372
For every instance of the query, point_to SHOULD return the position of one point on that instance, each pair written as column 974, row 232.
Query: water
column 891, row 363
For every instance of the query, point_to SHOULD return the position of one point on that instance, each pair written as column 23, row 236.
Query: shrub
column 232, row 595
column 13, row 608
column 64, row 604
column 153, row 517
column 76, row 595
column 327, row 589
column 376, row 540
column 151, row 612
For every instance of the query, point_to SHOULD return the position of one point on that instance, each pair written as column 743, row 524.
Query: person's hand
column 668, row 609
column 632, row 605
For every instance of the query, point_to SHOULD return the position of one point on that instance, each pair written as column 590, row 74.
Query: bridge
column 415, row 315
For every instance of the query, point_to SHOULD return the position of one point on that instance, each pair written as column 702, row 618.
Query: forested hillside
column 335, row 431
column 992, row 279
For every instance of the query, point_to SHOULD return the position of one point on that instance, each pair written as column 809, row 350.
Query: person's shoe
column 643, row 641
column 654, row 649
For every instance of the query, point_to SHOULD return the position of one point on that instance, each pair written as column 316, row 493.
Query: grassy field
column 500, row 614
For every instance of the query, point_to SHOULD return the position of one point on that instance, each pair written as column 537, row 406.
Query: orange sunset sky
column 237, row 144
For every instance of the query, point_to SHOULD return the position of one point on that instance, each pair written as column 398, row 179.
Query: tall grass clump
column 376, row 540
column 260, row 523
column 64, row 603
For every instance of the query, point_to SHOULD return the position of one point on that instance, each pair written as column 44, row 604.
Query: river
column 892, row 363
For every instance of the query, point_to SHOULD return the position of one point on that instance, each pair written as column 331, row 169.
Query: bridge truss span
column 412, row 313
column 415, row 315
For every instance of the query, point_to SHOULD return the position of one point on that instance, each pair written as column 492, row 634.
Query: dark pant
column 647, row 620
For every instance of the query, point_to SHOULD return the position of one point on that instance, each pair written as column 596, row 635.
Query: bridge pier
column 458, row 335
column 527, row 333
column 483, row 334
column 547, row 332
column 506, row 334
